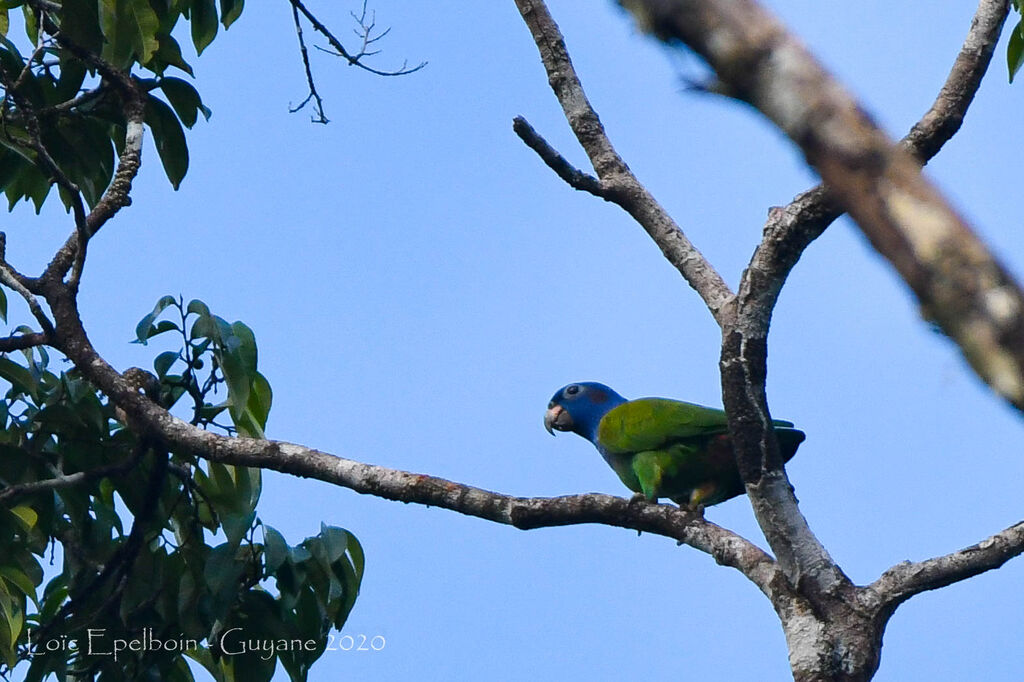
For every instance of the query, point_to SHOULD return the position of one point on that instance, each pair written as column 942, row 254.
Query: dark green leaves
column 151, row 540
column 230, row 10
column 185, row 100
column 1015, row 49
column 145, row 328
column 131, row 30
column 169, row 139
column 204, row 23
column 79, row 119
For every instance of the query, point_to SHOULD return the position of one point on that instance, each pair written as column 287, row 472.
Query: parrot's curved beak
column 557, row 418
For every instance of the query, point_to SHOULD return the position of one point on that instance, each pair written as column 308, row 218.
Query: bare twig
column 318, row 114
column 13, row 492
column 791, row 229
column 574, row 177
column 904, row 580
column 618, row 184
column 9, row 277
column 356, row 58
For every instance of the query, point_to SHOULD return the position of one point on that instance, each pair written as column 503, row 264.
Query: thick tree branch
column 23, row 341
column 117, row 195
column 788, row 232
column 71, row 256
column 146, row 417
column 960, row 285
column 790, row 229
column 903, row 581
column 618, row 184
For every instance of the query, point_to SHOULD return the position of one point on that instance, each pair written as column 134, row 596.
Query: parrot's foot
column 697, row 509
column 638, row 498
column 699, row 495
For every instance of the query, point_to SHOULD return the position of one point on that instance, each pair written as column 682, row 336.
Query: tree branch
column 117, row 195
column 572, row 176
column 13, row 492
column 959, row 284
column 367, row 38
column 791, row 229
column 618, row 184
column 318, row 103
column 788, row 232
column 147, row 418
column 10, row 278
column 903, row 581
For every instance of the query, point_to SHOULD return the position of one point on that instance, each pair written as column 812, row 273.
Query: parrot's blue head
column 579, row 408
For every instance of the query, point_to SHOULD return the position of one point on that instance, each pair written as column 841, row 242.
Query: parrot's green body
column 660, row 447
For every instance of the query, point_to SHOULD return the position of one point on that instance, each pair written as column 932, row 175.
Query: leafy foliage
column 58, row 103
column 1015, row 48
column 163, row 554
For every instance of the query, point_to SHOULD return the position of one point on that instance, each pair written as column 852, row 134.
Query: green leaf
column 185, row 100
column 19, row 377
column 144, row 329
column 169, row 54
column 275, row 549
column 5, row 22
column 204, row 23
column 260, row 398
column 1015, row 50
column 169, row 139
column 203, row 657
column 80, row 22
column 31, row 25
column 197, row 307
column 230, row 10
column 20, row 580
column 163, row 362
column 3, row 305
column 26, row 515
column 131, row 28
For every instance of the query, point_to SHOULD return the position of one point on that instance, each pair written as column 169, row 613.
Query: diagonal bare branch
column 788, row 232
column 618, row 183
column 572, row 176
column 959, row 283
column 790, row 229
column 903, row 581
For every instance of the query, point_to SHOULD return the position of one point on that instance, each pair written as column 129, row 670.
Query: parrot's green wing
column 670, row 448
column 656, row 423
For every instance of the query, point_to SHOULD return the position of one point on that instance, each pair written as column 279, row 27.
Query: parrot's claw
column 637, row 498
column 697, row 509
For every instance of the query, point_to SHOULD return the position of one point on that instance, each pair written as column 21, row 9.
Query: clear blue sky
column 420, row 284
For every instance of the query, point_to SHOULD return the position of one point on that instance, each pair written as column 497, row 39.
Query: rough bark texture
column 960, row 285
column 833, row 628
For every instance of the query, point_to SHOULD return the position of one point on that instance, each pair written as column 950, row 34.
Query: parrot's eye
column 572, row 389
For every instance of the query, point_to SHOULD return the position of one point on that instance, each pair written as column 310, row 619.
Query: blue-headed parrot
column 659, row 447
